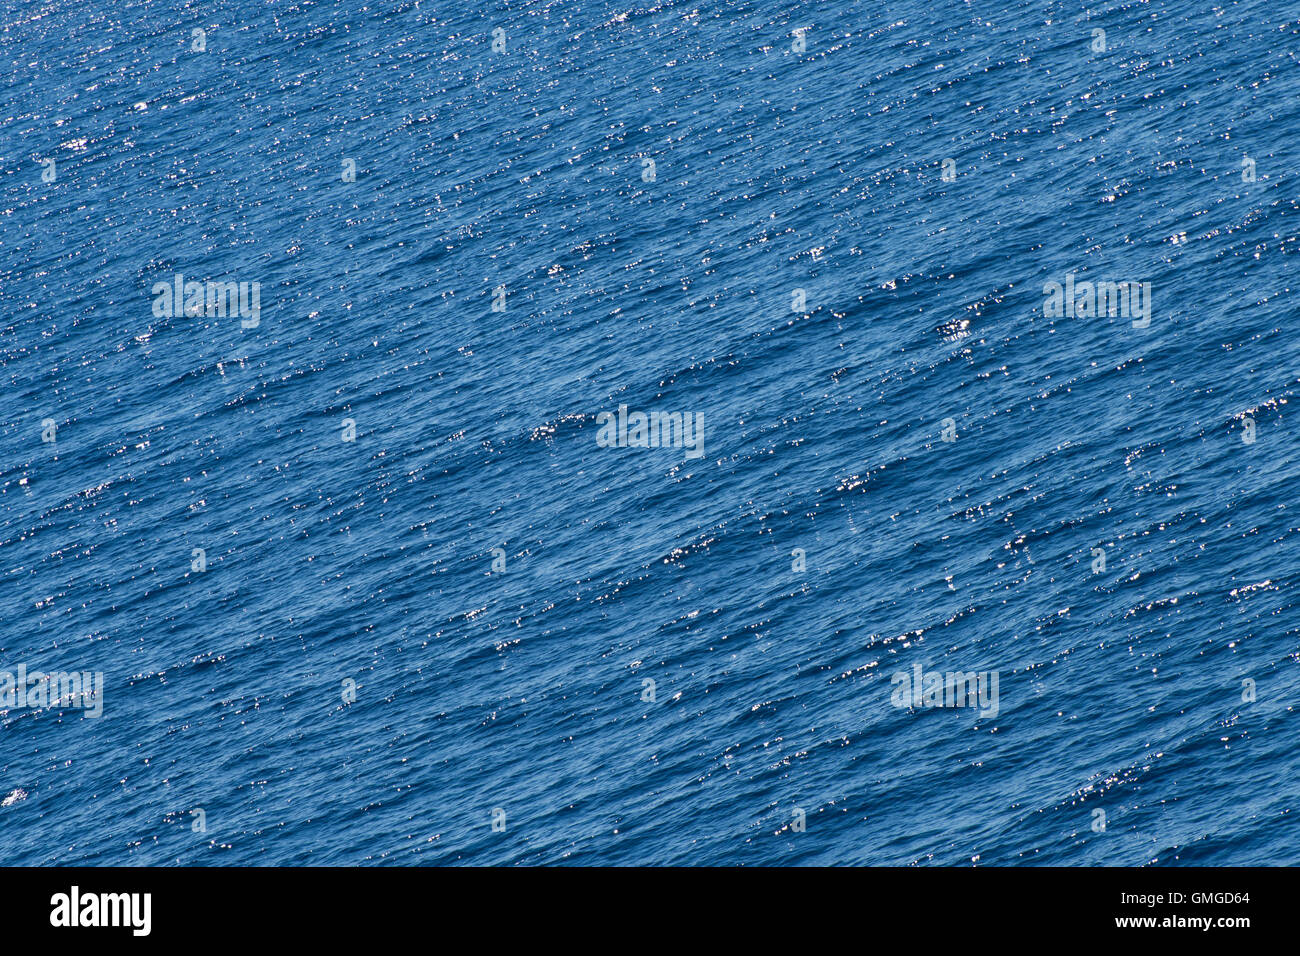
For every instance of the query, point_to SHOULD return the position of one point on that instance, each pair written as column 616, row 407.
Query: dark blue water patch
column 429, row 593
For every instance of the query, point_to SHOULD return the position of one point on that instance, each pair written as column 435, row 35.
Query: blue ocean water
column 353, row 677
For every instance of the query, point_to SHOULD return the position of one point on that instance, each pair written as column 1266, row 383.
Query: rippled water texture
column 827, row 537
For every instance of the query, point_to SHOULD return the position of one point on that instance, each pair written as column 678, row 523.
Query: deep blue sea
column 367, row 584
